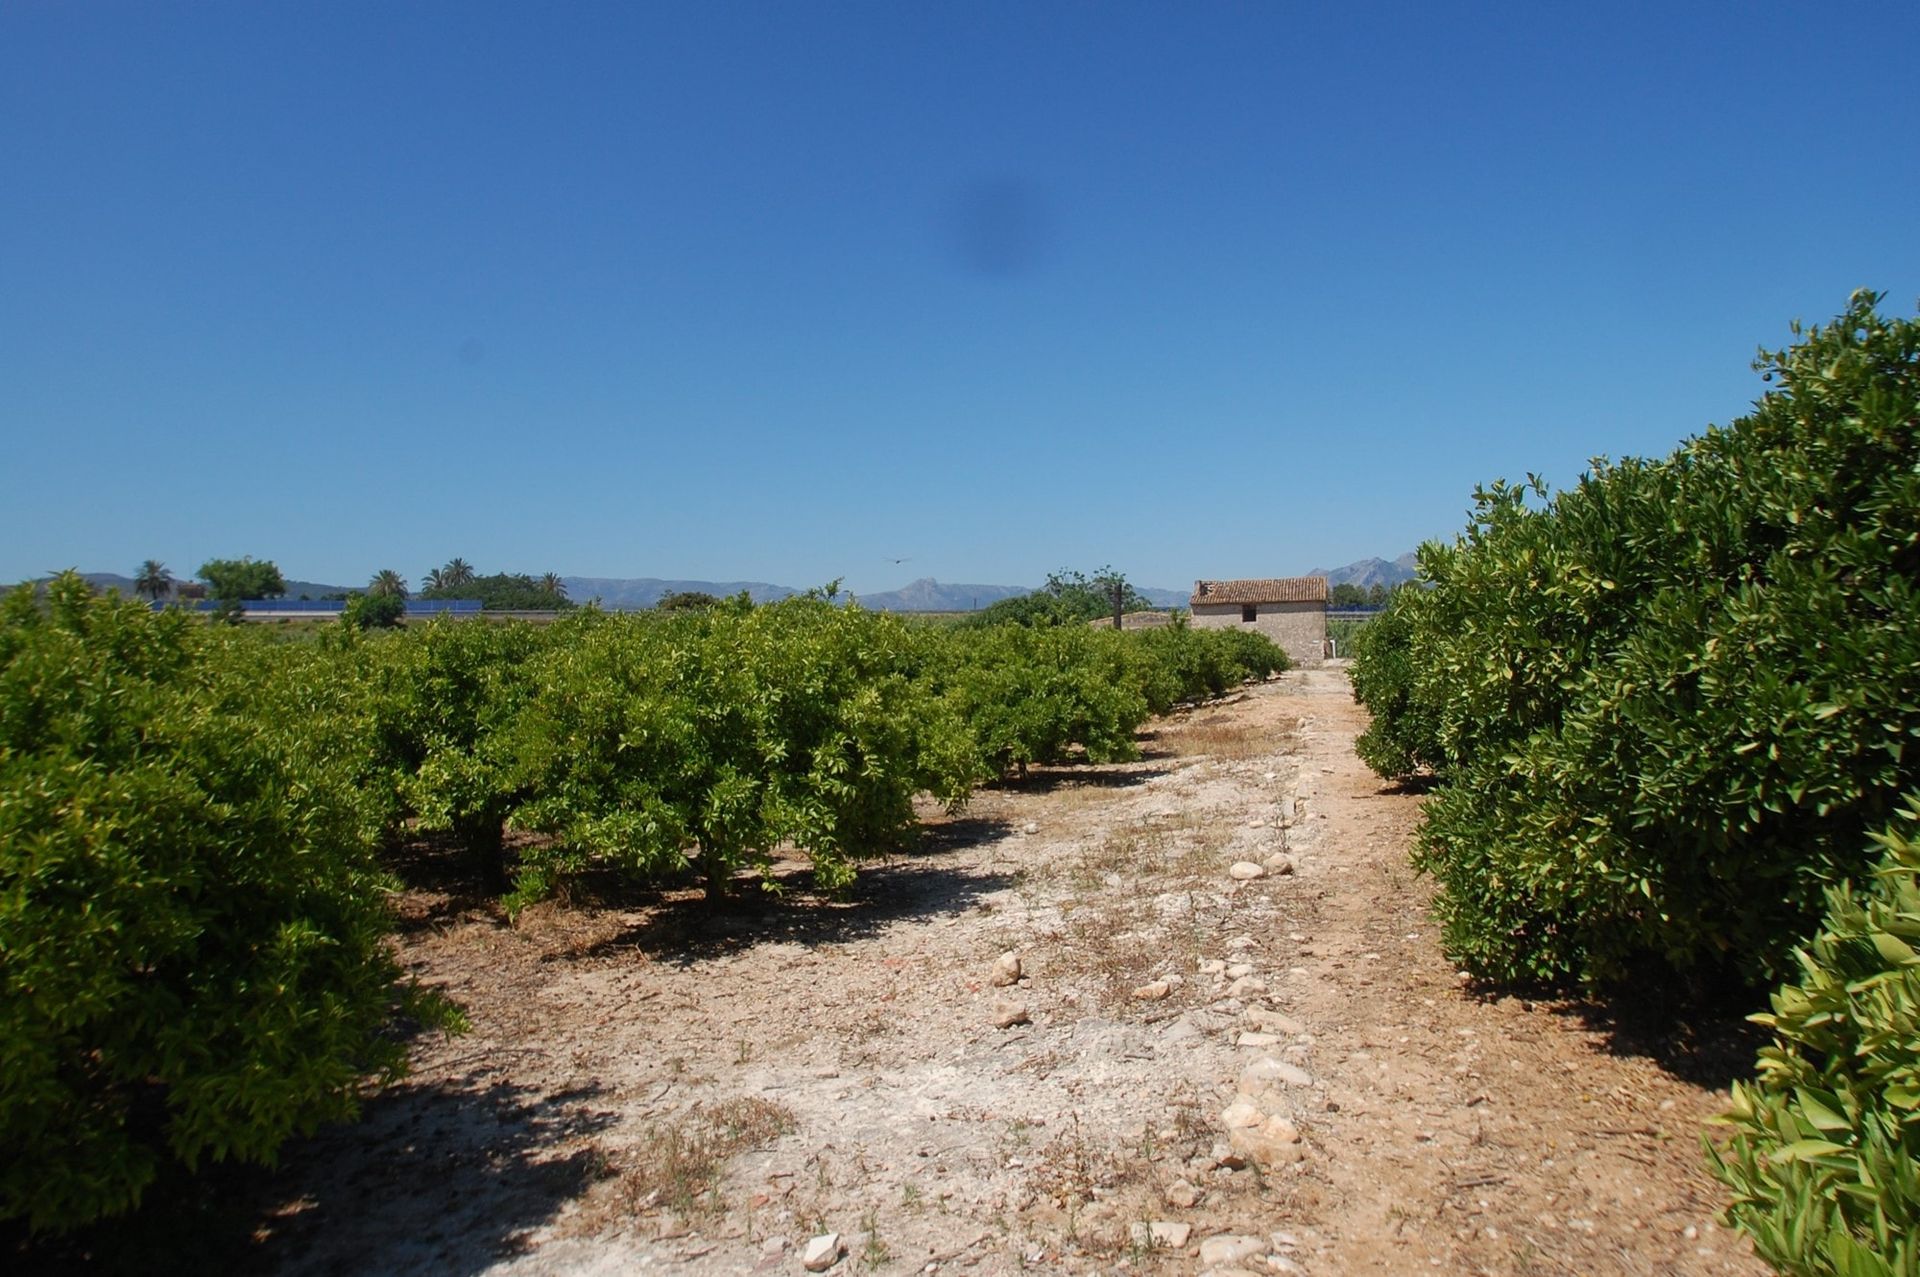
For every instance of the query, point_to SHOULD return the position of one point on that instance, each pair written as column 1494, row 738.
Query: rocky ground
column 1187, row 1014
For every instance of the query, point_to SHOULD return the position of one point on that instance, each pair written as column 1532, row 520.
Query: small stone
column 1280, row 863
column 1239, row 969
column 1153, row 992
column 1174, row 981
column 1265, row 1021
column 1184, row 1195
column 1031, row 827
column 822, row 1253
column 1245, row 985
column 1230, row 1248
column 1007, row 1013
column 1212, row 966
column 1283, row 1241
column 774, row 1246
column 1169, row 1233
column 1258, row 1040
column 1006, row 970
column 1267, row 1076
column 1245, row 871
column 1238, row 943
column 1241, row 1114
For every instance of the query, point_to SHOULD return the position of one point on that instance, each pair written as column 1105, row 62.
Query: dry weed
column 678, row 1165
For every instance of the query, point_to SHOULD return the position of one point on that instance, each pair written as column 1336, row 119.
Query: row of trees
column 240, row 580
column 192, row 903
column 1671, row 711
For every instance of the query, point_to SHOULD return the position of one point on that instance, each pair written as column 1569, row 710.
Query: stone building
column 1292, row 611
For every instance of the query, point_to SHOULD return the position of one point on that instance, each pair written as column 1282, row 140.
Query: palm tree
column 553, row 585
column 436, row 580
column 387, row 581
column 153, row 580
column 457, row 573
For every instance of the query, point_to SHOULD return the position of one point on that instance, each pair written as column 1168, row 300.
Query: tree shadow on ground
column 688, row 928
column 442, row 1179
column 1047, row 780
column 1699, row 1034
column 1696, row 1031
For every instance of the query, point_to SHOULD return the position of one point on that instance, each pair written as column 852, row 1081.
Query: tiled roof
column 1286, row 589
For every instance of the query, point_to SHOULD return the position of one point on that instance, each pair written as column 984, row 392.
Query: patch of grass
column 679, row 1164
column 1220, row 736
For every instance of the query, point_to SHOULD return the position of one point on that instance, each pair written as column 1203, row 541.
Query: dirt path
column 660, row 1087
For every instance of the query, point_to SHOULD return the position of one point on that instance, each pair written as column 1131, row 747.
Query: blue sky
column 784, row 291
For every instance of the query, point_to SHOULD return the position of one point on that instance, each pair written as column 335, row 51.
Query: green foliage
column 1402, row 739
column 709, row 738
column 1666, row 705
column 445, row 698
column 189, row 908
column 374, row 611
column 388, row 582
column 153, row 580
column 1068, row 598
column 686, row 601
column 503, row 592
column 1348, row 595
column 1824, row 1161
column 232, row 579
column 1028, row 695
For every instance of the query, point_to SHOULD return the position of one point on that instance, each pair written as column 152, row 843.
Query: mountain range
column 622, row 594
column 1370, row 572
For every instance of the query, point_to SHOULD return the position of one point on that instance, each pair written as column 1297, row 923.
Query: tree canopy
column 244, row 578
column 1068, row 598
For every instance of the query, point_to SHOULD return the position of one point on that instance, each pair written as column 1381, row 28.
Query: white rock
column 1240, row 1114
column 1030, row 828
column 1230, row 1248
column 774, row 1246
column 1265, row 1021
column 1239, row 969
column 1280, row 863
column 1007, row 1013
column 1267, row 1076
column 1182, row 1030
column 1258, row 1041
column 1184, row 1195
column 1006, row 970
column 1169, row 1233
column 1267, row 1148
column 1238, row 943
column 822, row 1253
column 1212, row 966
column 1246, row 985
column 1153, row 992
column 1174, row 981
column 1245, row 871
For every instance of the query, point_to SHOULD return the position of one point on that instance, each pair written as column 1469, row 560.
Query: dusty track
column 659, row 1086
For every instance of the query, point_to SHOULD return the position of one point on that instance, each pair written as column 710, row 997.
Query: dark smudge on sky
column 1000, row 227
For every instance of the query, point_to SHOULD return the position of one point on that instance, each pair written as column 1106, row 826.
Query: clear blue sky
column 780, row 291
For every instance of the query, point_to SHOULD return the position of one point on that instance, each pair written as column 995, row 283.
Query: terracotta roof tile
column 1286, row 589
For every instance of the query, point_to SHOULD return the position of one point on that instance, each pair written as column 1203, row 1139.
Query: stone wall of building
column 1299, row 629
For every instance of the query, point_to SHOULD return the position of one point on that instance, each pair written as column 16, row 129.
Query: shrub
column 1666, row 705
column 374, row 611
column 721, row 733
column 189, row 909
column 1825, row 1156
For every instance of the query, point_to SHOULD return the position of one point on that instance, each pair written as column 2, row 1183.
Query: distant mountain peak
column 1370, row 572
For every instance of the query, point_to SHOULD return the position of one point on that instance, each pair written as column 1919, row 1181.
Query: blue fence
column 328, row 607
